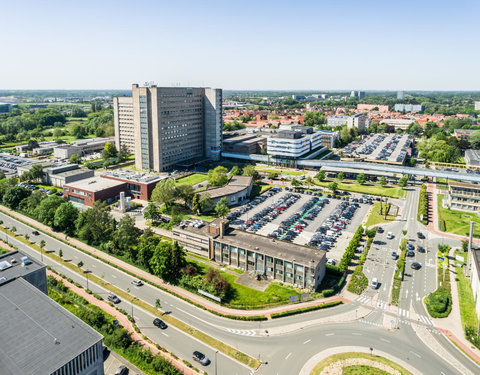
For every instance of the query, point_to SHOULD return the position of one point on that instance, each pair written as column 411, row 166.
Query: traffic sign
column 441, row 259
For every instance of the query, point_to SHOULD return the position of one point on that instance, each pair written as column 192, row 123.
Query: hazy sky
column 334, row 44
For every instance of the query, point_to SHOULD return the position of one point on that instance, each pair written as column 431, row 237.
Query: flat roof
column 353, row 170
column 38, row 336
column 473, row 155
column 463, row 184
column 11, row 265
column 128, row 175
column 94, row 184
column 269, row 246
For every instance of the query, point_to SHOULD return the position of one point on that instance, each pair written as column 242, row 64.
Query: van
column 374, row 283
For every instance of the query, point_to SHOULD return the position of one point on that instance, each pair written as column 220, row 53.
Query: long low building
column 81, row 147
column 464, row 197
column 140, row 185
column 294, row 142
column 93, row 189
column 289, row 263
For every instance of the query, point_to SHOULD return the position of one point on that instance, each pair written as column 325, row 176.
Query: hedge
column 305, row 309
column 401, row 261
column 350, row 250
column 423, row 204
column 439, row 303
column 358, row 282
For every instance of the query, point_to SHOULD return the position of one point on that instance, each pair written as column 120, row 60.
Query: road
column 281, row 354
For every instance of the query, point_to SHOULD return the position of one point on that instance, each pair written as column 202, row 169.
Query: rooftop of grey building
column 94, row 184
column 129, row 175
column 235, row 185
column 12, row 266
column 38, row 336
column 268, row 246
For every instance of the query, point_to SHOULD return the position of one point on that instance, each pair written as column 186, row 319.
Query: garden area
column 358, row 364
column 457, row 222
column 439, row 302
column 378, row 216
column 366, row 188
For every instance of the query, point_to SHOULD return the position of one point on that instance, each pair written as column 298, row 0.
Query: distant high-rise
column 409, row 107
column 168, row 126
column 357, row 94
column 400, row 95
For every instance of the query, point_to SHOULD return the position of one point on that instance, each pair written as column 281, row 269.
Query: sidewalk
column 156, row 280
column 123, row 320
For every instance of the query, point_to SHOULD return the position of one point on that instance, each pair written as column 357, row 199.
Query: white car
column 331, row 262
column 389, row 235
column 374, row 283
column 137, row 282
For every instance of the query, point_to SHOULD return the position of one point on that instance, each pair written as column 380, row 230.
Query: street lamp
column 133, row 299
column 371, row 351
column 216, row 351
column 86, row 276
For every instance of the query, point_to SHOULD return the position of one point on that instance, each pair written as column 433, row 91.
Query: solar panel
column 4, row 265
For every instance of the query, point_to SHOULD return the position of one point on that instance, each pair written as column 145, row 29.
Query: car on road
column 201, row 358
column 380, row 230
column 331, row 262
column 389, row 235
column 410, row 253
column 374, row 283
column 35, row 232
column 122, row 370
column 420, row 235
column 416, row 265
column 394, row 255
column 420, row 249
column 137, row 282
column 159, row 323
column 113, row 298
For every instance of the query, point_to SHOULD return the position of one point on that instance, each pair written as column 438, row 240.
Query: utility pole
column 469, row 248
column 216, row 351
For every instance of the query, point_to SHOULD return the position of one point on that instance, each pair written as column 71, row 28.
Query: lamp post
column 86, row 276
column 216, row 351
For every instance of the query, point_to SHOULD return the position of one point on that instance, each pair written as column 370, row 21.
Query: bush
column 328, row 292
column 305, row 309
column 423, row 204
column 442, row 226
column 98, row 296
column 350, row 250
column 439, row 303
column 359, row 282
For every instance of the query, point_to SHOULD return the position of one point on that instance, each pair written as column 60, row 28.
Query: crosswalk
column 242, row 332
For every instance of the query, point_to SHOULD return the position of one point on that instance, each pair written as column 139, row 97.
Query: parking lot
column 312, row 219
column 9, row 163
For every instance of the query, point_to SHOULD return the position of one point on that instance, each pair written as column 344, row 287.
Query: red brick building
column 94, row 189
column 138, row 185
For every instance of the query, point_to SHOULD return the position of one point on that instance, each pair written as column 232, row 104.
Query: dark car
column 35, row 232
column 380, row 230
column 159, row 323
column 420, row 249
column 420, row 235
column 201, row 358
column 416, row 265
column 122, row 370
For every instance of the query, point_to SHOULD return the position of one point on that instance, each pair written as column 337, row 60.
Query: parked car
column 420, row 235
column 331, row 262
column 201, row 358
column 420, row 249
column 159, row 323
column 416, row 265
column 122, row 370
column 389, row 235
column 394, row 255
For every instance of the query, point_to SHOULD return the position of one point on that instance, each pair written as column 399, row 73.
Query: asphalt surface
column 286, row 353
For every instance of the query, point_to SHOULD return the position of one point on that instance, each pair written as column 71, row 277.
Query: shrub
column 328, row 292
column 305, row 309
column 439, row 303
column 359, row 282
column 350, row 250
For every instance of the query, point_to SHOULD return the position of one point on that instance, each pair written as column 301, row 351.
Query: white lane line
column 329, row 334
column 306, row 342
column 288, row 355
column 356, row 334
column 163, row 333
column 384, row 340
column 418, row 355
column 94, row 266
column 114, row 276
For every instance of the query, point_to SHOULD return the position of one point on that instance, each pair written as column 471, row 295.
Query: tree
column 65, row 217
column 75, row 158
column 221, row 207
column 33, row 201
column 167, row 261
column 341, row 176
column 95, row 225
column 249, row 170
column 123, row 153
column 185, row 192
column 164, row 193
column 382, row 181
column 36, row 172
column 320, row 175
column 60, row 253
column 205, row 202
column 402, row 182
column 218, row 176
column 333, row 186
column 465, row 245
column 78, row 131
column 80, row 264
column 57, row 133
column 14, row 195
column 45, row 212
column 7, row 183
column 151, row 213
column 235, row 171
column 42, row 244
column 309, row 181
column 272, row 175
column 295, row 182
column 361, row 178
column 126, row 234
column 195, row 203
column 109, row 151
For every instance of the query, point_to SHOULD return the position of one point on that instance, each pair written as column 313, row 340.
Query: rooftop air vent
column 4, row 265
column 26, row 261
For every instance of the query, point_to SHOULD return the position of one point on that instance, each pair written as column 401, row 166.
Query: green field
column 360, row 369
column 259, row 188
column 245, row 297
column 457, row 222
column 368, row 188
column 280, row 171
column 376, row 218
column 192, row 179
column 465, row 295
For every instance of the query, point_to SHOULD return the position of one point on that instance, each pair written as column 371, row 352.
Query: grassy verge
column 259, row 188
column 457, row 222
column 224, row 348
column 279, row 171
column 439, row 302
column 396, row 288
column 387, row 191
column 344, row 356
column 305, row 309
column 192, row 179
column 376, row 217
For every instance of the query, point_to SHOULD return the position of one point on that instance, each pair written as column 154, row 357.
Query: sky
column 241, row 45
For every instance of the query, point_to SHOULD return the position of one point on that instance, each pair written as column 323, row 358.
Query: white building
column 359, row 121
column 337, row 120
column 477, row 106
column 475, row 278
column 292, row 142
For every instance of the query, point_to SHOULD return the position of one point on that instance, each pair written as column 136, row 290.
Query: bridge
column 317, row 164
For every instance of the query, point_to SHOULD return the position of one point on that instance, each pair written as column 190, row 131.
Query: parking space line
column 306, row 342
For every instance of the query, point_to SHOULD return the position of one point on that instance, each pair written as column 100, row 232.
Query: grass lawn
column 358, row 370
column 458, row 222
column 259, row 188
column 465, row 294
column 376, row 218
column 368, row 188
column 243, row 296
column 48, row 187
column 280, row 171
column 192, row 179
column 396, row 287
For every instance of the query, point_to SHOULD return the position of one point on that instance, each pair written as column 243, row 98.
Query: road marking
column 418, row 355
column 329, row 334
column 356, row 334
column 163, row 333
column 94, row 266
column 288, row 355
column 384, row 340
column 306, row 342
column 114, row 276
